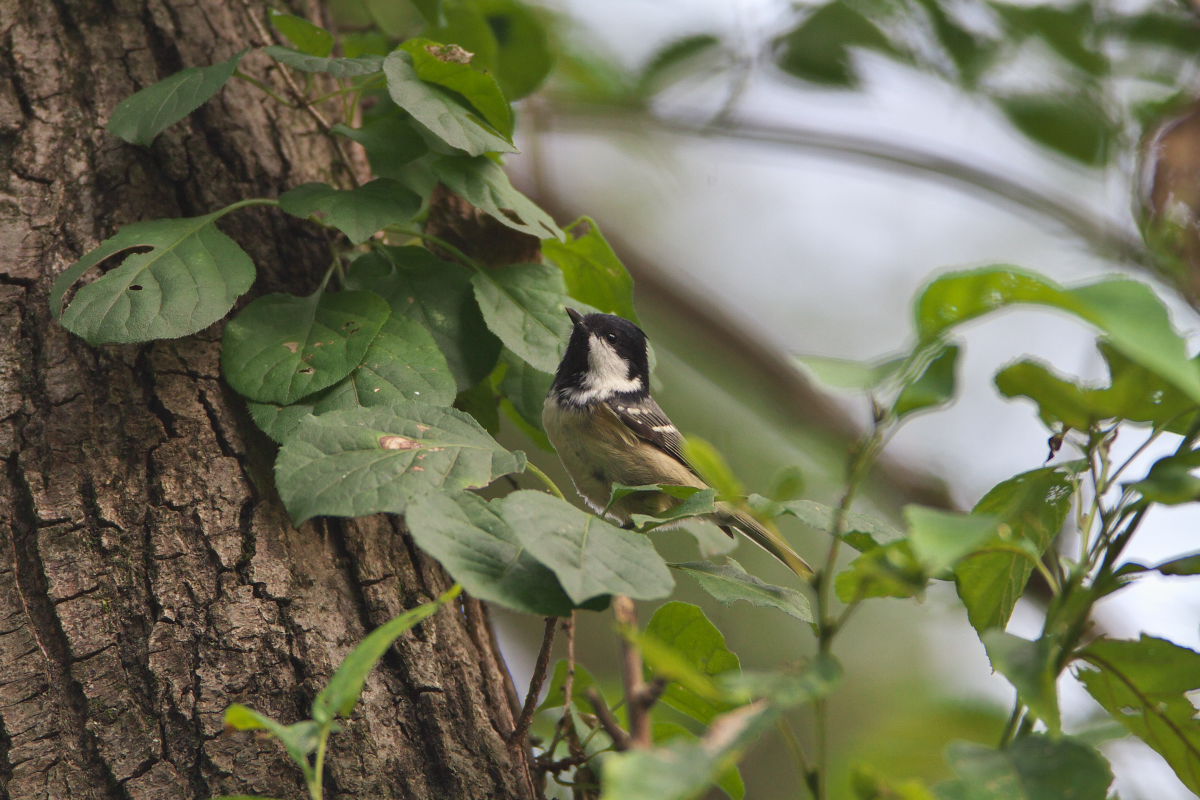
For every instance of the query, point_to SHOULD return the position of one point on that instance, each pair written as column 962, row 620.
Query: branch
column 608, row 721
column 535, row 683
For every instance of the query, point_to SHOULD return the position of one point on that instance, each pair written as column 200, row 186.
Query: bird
column 607, row 429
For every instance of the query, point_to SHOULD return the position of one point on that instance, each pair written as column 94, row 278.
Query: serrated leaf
column 359, row 213
column 439, row 295
column 818, row 49
column 591, row 270
column 308, row 38
column 1133, row 318
column 340, row 695
column 390, row 140
column 1033, row 507
column 371, row 460
column 299, row 738
column 483, row 183
column 144, row 115
column 729, row 583
column 1030, row 668
column 402, row 363
column 933, row 386
column 482, row 552
column 694, row 645
column 438, row 110
column 189, row 279
column 1069, row 123
column 523, row 304
column 281, row 348
column 1145, row 685
column 450, row 66
column 589, row 556
column 1032, row 768
column 337, row 67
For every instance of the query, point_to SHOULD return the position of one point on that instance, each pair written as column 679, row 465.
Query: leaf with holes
column 402, row 363
column 451, row 67
column 370, row 460
column 439, row 111
column 358, row 213
column 337, row 67
column 524, row 304
column 590, row 557
column 144, row 115
column 482, row 183
column 188, row 279
column 282, row 347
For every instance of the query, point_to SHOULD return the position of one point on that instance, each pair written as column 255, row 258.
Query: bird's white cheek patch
column 608, row 373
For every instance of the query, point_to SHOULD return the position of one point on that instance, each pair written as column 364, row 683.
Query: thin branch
column 608, row 721
column 535, row 683
column 631, row 672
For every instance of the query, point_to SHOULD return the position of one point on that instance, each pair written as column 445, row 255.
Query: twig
column 621, row 739
column 631, row 672
column 535, row 683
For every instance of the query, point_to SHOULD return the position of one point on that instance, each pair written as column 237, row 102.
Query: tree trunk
column 148, row 575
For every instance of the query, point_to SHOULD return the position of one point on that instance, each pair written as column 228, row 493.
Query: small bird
column 607, row 429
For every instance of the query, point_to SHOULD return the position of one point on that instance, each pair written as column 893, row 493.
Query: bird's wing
column 646, row 419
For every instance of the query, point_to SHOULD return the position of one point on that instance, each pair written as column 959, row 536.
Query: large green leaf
column 481, row 551
column 730, row 780
column 818, row 49
column 189, row 279
column 933, row 386
column 1032, row 768
column 1145, row 685
column 282, row 347
column 359, row 213
column 308, row 38
column 1030, row 667
column 523, row 304
column 368, row 460
column 590, row 557
column 526, row 388
column 337, row 67
column 402, row 363
column 523, row 55
column 144, row 115
column 391, row 142
column 438, row 110
column 591, row 269
column 340, row 695
column 729, row 583
column 940, row 538
column 1128, row 312
column 691, row 638
column 439, row 295
column 1032, row 507
column 450, row 66
column 889, row 570
column 482, row 183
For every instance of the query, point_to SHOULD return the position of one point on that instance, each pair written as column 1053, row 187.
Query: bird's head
column 606, row 356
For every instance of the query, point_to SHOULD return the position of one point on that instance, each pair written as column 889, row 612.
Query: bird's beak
column 575, row 316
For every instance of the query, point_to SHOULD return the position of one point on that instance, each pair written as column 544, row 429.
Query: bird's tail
column 767, row 539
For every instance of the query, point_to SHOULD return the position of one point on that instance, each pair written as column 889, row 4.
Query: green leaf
column 889, row 570
column 1032, row 508
column 526, row 388
column 590, row 557
column 403, row 363
column 1184, row 565
column 282, row 347
column 390, row 140
column 699, row 503
column 863, row 531
column 1032, row 768
column 1069, row 123
column 523, row 55
column 340, row 695
column 358, row 213
column 940, row 538
column 712, row 467
column 438, row 294
column 1028, row 666
column 788, row 484
column 450, row 66
column 818, row 49
column 482, row 183
column 299, row 738
column 840, row 373
column 1127, row 311
column 1170, row 480
column 371, row 460
column 687, row 55
column 189, row 279
column 933, row 387
column 523, row 304
column 1058, row 400
column 695, row 645
column 592, row 271
column 786, row 688
column 729, row 583
column 556, row 695
column 308, row 38
column 1145, row 685
column 868, row 785
column 336, row 67
column 1063, row 29
column 730, row 781
column 438, row 110
column 482, row 552
column 144, row 115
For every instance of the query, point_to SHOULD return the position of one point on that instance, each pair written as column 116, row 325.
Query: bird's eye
column 612, row 337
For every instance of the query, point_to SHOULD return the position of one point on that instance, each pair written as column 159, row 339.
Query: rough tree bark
column 148, row 576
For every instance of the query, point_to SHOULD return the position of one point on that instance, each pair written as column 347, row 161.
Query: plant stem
column 440, row 242
column 249, row 201
column 535, row 683
column 546, row 479
column 264, row 88
column 316, row 787
column 631, row 673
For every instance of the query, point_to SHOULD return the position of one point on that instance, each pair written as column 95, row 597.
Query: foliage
column 383, row 388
